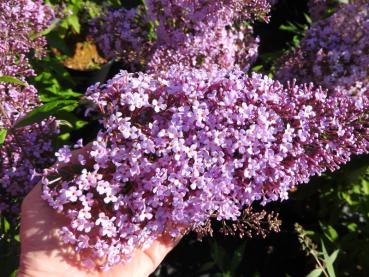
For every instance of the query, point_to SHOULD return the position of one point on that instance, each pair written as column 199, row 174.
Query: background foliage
column 325, row 228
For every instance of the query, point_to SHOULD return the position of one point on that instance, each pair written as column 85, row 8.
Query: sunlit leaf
column 12, row 80
column 315, row 273
column 3, row 133
column 46, row 110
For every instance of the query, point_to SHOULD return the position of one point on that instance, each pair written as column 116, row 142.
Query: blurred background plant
column 325, row 224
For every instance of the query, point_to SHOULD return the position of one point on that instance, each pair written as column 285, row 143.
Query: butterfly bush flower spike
column 189, row 145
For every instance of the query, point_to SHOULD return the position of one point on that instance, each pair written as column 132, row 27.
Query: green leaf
column 6, row 224
column 365, row 186
column 64, row 136
column 46, row 110
column 345, row 196
column 325, row 254
column 329, row 260
column 308, row 19
column 65, row 123
column 80, row 124
column 257, row 68
column 352, row 227
column 74, row 22
column 11, row 80
column 333, row 256
column 68, row 93
column 315, row 273
column 55, row 92
column 324, row 250
column 14, row 273
column 3, row 133
column 329, row 232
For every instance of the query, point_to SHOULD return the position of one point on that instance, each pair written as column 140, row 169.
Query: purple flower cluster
column 191, row 145
column 318, row 8
column 22, row 158
column 121, row 34
column 220, row 47
column 20, row 22
column 193, row 33
column 178, row 18
column 26, row 151
column 334, row 52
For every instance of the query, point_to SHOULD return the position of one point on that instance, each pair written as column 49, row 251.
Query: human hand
column 44, row 254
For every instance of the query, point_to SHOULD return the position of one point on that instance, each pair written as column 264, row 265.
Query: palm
column 42, row 253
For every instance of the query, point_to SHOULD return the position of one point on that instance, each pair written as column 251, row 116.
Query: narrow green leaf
column 3, row 133
column 308, row 19
column 65, row 123
column 333, row 256
column 11, row 80
column 324, row 250
column 315, row 273
column 6, row 225
column 328, row 261
column 46, row 110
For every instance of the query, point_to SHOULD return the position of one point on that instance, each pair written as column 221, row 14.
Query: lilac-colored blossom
column 64, row 154
column 193, row 33
column 334, row 52
column 26, row 151
column 220, row 141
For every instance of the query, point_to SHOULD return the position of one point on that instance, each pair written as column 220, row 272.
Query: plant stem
column 319, row 263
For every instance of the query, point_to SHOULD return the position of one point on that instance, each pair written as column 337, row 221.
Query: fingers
column 158, row 251
column 38, row 221
column 42, row 252
column 145, row 261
